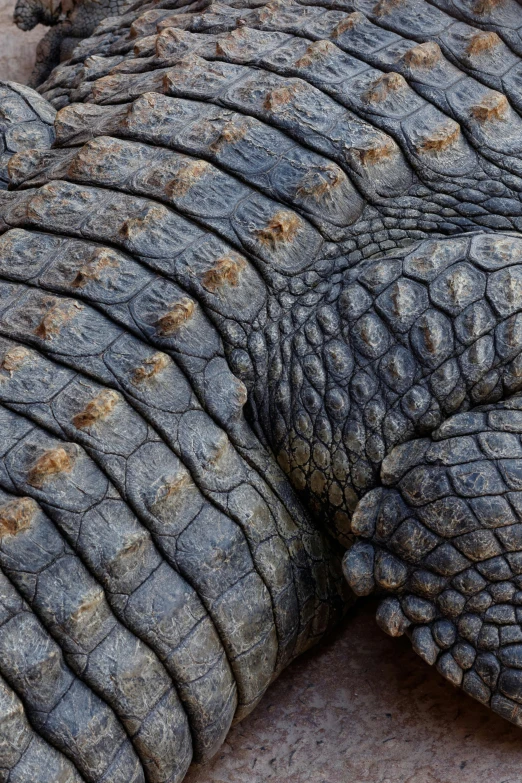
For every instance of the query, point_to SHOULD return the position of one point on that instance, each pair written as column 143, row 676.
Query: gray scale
column 26, row 122
column 60, row 706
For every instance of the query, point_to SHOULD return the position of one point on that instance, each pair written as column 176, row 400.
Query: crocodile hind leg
column 441, row 540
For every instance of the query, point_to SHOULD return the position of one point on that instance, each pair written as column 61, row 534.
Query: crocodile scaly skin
column 261, row 303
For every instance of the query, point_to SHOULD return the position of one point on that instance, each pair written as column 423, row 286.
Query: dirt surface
column 363, row 708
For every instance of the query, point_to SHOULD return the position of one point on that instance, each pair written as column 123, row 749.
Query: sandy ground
column 362, row 708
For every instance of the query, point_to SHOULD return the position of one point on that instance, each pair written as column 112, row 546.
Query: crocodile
column 69, row 20
column 260, row 354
